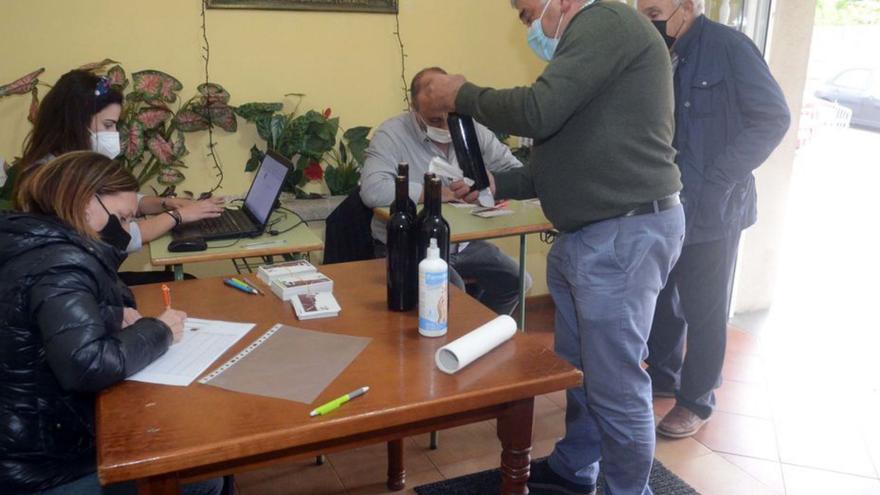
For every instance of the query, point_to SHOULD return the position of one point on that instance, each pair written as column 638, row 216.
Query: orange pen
column 166, row 296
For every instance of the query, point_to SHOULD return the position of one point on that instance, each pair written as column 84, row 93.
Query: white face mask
column 543, row 45
column 438, row 135
column 106, row 143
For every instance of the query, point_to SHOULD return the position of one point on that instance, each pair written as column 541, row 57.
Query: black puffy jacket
column 61, row 342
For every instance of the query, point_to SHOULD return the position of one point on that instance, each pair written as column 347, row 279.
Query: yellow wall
column 346, row 61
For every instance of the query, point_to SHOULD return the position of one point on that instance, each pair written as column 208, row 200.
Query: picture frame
column 369, row 6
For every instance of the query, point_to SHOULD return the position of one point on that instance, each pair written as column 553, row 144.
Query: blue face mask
column 543, row 45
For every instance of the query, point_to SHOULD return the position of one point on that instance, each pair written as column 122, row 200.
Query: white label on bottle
column 433, row 303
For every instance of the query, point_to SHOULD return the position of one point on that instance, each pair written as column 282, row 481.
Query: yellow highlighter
column 336, row 403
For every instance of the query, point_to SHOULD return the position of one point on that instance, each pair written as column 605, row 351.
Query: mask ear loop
column 559, row 24
column 677, row 31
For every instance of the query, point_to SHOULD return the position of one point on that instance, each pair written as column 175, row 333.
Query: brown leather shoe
column 680, row 422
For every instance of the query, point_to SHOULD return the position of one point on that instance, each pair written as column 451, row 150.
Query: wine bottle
column 432, row 223
column 402, row 265
column 403, row 169
column 467, row 149
column 424, row 211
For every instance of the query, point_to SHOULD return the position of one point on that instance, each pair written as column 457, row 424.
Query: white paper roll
column 468, row 348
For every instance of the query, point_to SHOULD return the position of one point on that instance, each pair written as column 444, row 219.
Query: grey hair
column 699, row 5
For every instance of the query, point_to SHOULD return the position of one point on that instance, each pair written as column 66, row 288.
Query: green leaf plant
column 307, row 139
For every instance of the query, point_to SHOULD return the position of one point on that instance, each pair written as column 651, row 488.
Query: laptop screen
column 264, row 190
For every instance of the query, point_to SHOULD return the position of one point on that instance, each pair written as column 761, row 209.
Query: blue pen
column 235, row 285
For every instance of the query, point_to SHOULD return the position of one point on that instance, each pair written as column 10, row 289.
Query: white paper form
column 203, row 342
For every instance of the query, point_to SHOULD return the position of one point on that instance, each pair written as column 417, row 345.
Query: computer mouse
column 186, row 244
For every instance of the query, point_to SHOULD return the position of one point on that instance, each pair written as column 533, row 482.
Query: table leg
column 515, row 433
column 522, row 282
column 178, row 272
column 166, row 485
column 396, row 470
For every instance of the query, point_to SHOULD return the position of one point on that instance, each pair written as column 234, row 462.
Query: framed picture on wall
column 379, row 6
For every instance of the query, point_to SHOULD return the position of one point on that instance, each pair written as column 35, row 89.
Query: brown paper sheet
column 293, row 364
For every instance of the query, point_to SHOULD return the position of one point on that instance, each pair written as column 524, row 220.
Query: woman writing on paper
column 67, row 325
column 80, row 113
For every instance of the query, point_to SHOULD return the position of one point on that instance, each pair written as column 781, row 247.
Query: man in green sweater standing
column 601, row 114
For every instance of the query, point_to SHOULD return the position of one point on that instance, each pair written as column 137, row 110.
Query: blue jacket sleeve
column 764, row 111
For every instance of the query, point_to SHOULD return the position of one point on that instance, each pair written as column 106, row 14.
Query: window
column 859, row 79
column 751, row 17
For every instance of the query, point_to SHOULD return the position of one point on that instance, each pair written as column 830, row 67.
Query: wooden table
column 300, row 239
column 527, row 218
column 163, row 435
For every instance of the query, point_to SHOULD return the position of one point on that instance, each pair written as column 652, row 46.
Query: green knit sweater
column 601, row 115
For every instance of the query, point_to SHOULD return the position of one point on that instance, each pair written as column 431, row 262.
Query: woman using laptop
column 80, row 113
column 68, row 327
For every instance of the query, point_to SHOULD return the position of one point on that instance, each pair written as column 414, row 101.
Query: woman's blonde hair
column 64, row 187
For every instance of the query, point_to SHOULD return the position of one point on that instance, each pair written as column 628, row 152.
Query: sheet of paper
column 486, row 198
column 203, row 342
column 292, row 364
column 491, row 212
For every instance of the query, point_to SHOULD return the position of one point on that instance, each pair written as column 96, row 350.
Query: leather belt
column 655, row 206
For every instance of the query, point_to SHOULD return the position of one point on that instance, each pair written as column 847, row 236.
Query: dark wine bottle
column 431, row 221
column 424, row 211
column 467, row 149
column 402, row 265
column 403, row 169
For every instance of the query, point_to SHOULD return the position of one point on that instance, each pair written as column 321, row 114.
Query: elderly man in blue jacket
column 730, row 114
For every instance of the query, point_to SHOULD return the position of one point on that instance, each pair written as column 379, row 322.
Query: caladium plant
column 23, row 86
column 151, row 130
column 152, row 133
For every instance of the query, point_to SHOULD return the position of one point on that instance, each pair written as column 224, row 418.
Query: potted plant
column 152, row 133
column 308, row 139
column 345, row 162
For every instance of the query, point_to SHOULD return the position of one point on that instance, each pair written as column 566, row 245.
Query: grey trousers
column 496, row 274
column 604, row 280
column 692, row 309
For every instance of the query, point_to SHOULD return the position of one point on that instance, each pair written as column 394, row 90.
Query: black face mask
column 661, row 26
column 113, row 233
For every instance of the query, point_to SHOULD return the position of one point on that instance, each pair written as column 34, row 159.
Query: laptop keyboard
column 230, row 223
column 220, row 225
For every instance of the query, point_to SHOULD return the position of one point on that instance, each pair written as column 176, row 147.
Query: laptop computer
column 251, row 219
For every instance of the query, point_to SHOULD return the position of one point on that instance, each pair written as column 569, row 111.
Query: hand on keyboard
column 197, row 210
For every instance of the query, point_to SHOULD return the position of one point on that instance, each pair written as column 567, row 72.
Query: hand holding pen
column 172, row 317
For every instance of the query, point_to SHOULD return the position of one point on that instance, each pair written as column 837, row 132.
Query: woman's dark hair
column 64, row 116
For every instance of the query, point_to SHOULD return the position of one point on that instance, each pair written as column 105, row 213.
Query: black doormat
column 662, row 482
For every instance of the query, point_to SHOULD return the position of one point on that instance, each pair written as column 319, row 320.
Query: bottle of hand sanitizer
column 433, row 293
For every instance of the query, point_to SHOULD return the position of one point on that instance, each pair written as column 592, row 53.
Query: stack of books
column 270, row 273
column 309, row 291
